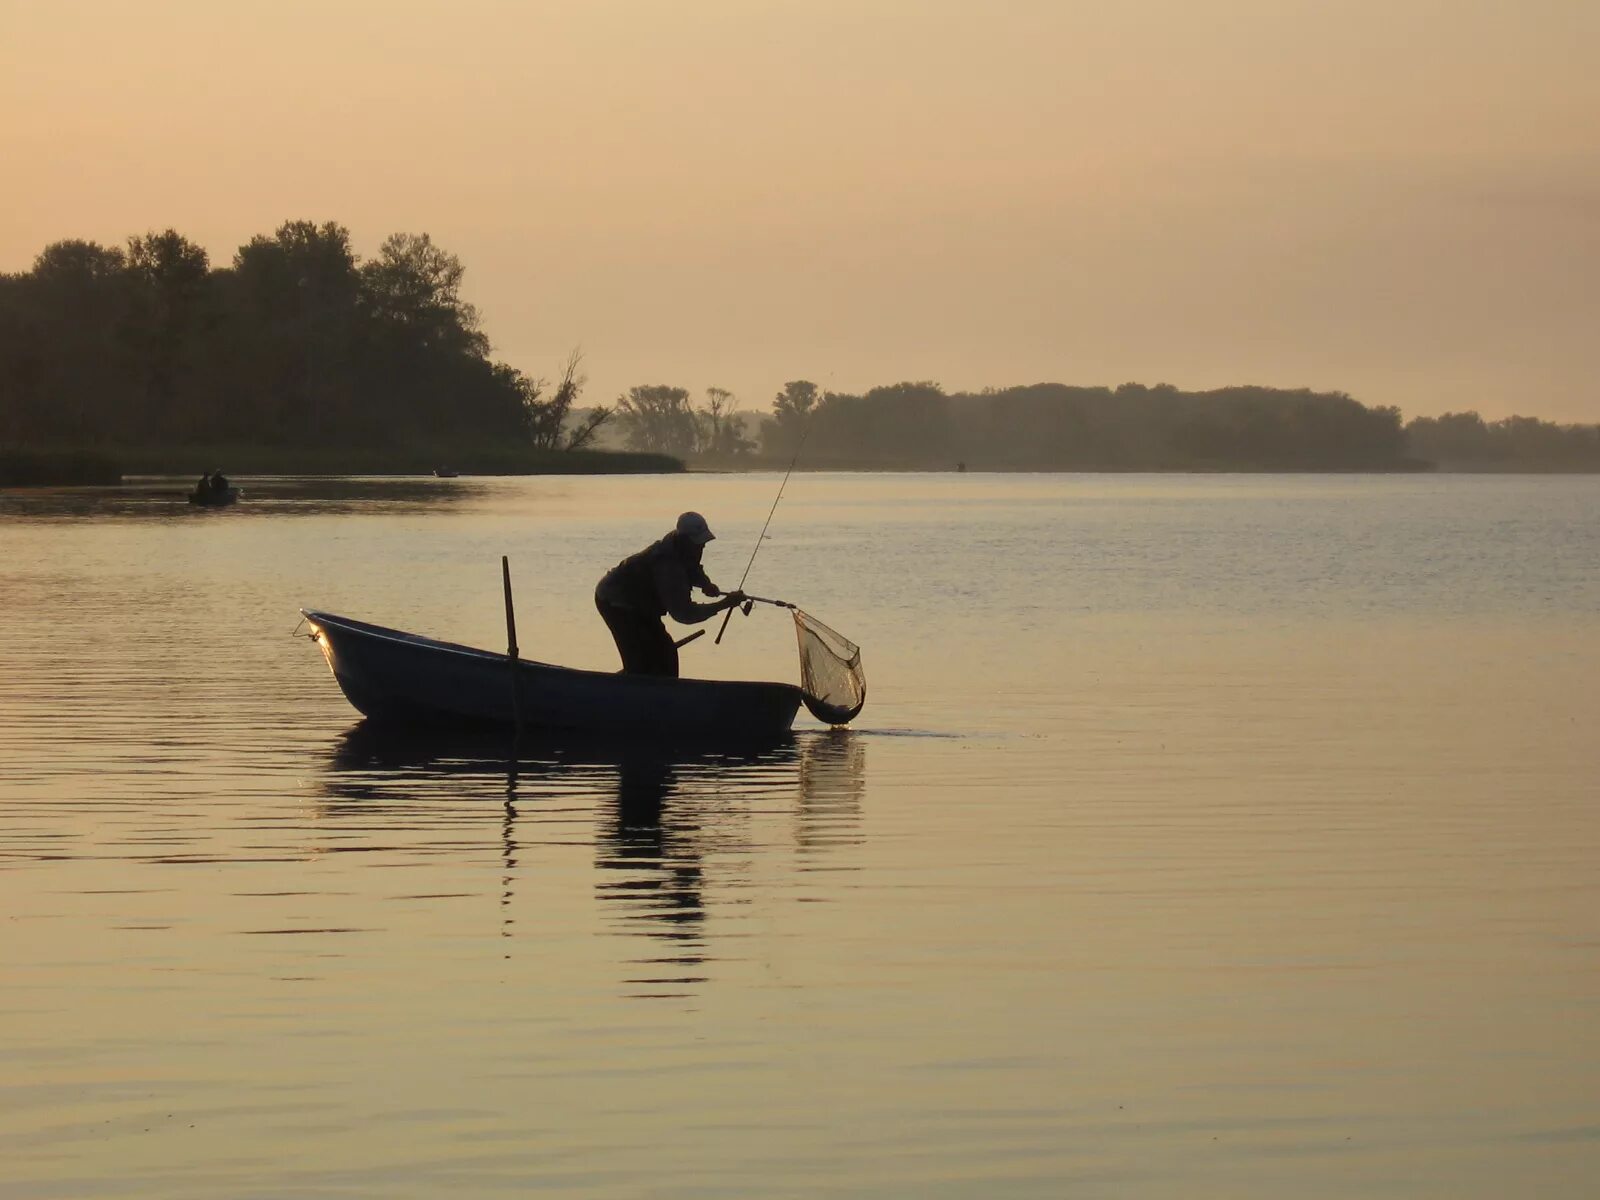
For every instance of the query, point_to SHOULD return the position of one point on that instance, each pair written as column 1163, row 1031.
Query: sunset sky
column 1396, row 198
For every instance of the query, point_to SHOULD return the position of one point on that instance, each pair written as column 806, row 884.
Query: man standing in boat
column 635, row 594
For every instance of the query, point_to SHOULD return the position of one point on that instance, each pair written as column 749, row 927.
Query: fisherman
column 634, row 594
column 219, row 482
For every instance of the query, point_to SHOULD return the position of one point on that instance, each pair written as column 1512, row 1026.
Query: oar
column 684, row 641
column 511, row 644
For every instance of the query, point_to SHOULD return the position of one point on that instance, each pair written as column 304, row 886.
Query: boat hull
column 402, row 678
column 215, row 499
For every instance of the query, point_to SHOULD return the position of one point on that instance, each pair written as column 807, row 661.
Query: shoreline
column 109, row 466
column 121, row 467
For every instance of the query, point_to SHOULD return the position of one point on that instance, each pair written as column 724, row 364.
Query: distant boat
column 211, row 498
column 445, row 473
column 407, row 679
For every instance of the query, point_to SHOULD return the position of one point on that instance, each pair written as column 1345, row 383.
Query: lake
column 1203, row 836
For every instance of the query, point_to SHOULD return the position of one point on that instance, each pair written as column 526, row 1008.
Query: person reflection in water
column 635, row 594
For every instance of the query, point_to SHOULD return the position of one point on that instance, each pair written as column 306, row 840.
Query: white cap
column 692, row 525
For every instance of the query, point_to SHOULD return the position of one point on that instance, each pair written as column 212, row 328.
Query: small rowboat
column 215, row 499
column 404, row 678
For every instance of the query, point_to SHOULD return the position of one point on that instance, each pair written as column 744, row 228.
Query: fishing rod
column 761, row 537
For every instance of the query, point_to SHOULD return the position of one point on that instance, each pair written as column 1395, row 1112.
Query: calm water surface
column 1202, row 836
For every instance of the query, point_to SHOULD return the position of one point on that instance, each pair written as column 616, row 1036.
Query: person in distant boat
column 219, row 482
column 203, row 488
column 635, row 594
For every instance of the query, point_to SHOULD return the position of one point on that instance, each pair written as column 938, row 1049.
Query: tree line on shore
column 1465, row 440
column 299, row 344
column 1132, row 427
column 296, row 343
column 1052, row 426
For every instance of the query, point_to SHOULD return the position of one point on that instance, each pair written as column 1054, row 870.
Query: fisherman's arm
column 672, row 583
column 699, row 578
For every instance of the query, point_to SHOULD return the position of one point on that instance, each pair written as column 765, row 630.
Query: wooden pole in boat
column 511, row 644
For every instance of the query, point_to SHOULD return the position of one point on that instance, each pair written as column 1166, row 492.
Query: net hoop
column 832, row 682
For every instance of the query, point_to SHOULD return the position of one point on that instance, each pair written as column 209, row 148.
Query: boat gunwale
column 317, row 619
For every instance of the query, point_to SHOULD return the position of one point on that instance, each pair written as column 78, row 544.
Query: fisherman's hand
column 733, row 599
column 711, row 589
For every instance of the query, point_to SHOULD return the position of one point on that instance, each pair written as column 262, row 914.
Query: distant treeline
column 1465, row 441
column 296, row 343
column 1043, row 427
column 1052, row 426
column 302, row 354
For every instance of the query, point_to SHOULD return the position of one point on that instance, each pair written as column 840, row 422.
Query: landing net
column 831, row 678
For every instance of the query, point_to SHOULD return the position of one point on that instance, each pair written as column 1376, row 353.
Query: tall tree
column 717, row 426
column 424, row 351
column 295, row 297
column 415, row 284
column 548, row 419
column 170, row 276
column 77, row 300
column 792, row 411
column 658, row 418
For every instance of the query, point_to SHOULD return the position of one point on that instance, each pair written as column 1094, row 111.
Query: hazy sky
column 1394, row 197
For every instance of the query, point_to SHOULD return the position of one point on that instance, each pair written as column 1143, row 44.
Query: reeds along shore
column 88, row 468
column 57, row 469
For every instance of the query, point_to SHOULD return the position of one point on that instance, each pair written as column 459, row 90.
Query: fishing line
column 762, row 536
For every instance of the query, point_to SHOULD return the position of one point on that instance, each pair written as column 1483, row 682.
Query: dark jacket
column 657, row 580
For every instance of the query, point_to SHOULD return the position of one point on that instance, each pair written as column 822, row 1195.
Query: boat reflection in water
column 675, row 839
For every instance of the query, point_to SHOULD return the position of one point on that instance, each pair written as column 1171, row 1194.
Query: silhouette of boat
column 404, row 678
column 216, row 499
column 445, row 473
